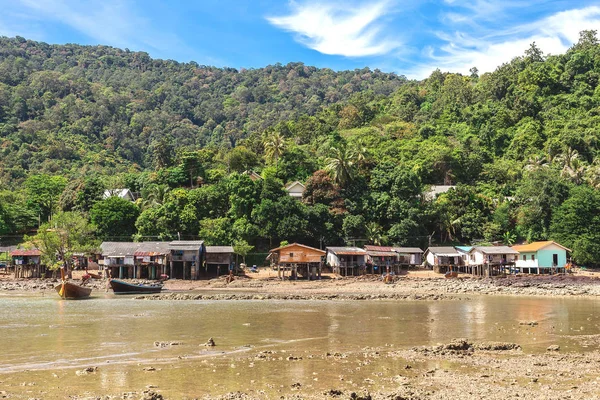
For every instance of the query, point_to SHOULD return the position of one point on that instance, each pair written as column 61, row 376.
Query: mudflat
column 420, row 337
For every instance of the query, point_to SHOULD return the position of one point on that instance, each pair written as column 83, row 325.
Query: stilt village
column 193, row 260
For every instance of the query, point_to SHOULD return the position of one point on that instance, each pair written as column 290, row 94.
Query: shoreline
column 405, row 287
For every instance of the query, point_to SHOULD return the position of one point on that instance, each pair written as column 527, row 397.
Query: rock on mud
column 86, row 371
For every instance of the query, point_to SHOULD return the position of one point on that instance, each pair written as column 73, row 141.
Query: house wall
column 332, row 259
column 299, row 254
column 430, row 258
column 528, row 263
column 544, row 256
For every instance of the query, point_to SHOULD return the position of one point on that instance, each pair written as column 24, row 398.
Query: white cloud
column 553, row 34
column 111, row 22
column 334, row 29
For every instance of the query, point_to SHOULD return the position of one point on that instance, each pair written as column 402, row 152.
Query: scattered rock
column 209, row 343
column 166, row 344
column 86, row 371
column 553, row 347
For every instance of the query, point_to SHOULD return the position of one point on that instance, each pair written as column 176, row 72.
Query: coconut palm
column 340, row 164
column 274, row 145
column 536, row 162
column 374, row 233
column 157, row 196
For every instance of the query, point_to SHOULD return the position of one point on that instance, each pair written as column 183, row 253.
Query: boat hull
column 72, row 291
column 120, row 287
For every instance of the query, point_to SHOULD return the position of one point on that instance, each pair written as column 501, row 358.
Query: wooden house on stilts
column 298, row 259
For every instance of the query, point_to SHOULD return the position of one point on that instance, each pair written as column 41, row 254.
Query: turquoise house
column 541, row 257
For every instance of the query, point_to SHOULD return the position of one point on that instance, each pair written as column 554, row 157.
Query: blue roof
column 466, row 249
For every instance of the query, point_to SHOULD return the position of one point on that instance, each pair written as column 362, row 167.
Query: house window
column 524, row 257
column 291, row 255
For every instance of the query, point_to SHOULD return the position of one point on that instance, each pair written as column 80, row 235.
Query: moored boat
column 71, row 291
column 120, row 287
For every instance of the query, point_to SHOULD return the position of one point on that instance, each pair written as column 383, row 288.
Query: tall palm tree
column 361, row 153
column 156, row 197
column 340, row 164
column 274, row 145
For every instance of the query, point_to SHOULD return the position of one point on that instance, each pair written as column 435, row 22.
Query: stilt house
column 298, row 259
column 346, row 260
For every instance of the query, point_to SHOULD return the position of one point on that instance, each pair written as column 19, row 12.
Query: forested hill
column 521, row 144
column 65, row 106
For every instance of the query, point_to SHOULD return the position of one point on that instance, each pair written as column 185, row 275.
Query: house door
column 555, row 260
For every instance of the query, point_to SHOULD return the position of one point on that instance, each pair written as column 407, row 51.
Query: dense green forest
column 521, row 145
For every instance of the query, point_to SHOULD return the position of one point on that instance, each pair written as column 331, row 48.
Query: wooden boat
column 120, row 287
column 71, row 291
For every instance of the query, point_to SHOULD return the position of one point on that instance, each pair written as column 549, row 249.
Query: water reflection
column 118, row 334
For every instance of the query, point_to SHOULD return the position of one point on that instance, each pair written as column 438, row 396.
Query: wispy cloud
column 112, row 22
column 486, row 48
column 339, row 29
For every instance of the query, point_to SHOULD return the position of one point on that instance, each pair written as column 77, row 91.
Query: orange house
column 298, row 258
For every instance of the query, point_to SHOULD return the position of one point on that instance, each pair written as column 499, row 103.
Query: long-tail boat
column 120, row 287
column 71, row 291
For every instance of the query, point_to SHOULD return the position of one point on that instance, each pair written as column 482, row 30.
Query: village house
column 442, row 258
column 26, row 263
column 464, row 262
column 219, row 260
column 380, row 259
column 253, row 175
column 541, row 257
column 298, row 259
column 491, row 260
column 346, row 260
column 121, row 193
column 150, row 260
column 186, row 259
column 409, row 255
column 295, row 190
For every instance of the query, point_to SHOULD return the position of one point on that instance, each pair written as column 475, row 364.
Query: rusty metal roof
column 25, row 253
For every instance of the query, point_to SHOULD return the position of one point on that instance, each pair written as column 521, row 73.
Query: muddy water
column 45, row 341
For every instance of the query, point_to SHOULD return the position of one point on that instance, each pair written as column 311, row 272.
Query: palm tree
column 536, row 162
column 361, row 153
column 374, row 233
column 340, row 164
column 274, row 145
column 156, row 197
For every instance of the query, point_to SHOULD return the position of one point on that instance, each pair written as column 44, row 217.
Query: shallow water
column 45, row 339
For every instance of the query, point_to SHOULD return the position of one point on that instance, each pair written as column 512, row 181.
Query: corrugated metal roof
column 536, row 246
column 219, row 249
column 297, row 244
column 443, row 250
column 465, row 249
column 370, row 247
column 7, row 249
column 407, row 250
column 382, row 253
column 129, row 249
column 346, row 251
column 26, row 253
column 186, row 244
column 495, row 250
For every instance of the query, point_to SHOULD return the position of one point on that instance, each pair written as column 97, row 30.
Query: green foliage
column 64, row 235
column 516, row 143
column 114, row 218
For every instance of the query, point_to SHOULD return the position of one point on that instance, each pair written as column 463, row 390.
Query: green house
column 541, row 257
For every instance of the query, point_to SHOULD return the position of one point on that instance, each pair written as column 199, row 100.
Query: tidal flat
column 459, row 347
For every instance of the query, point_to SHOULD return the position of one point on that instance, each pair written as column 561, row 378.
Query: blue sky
column 410, row 37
